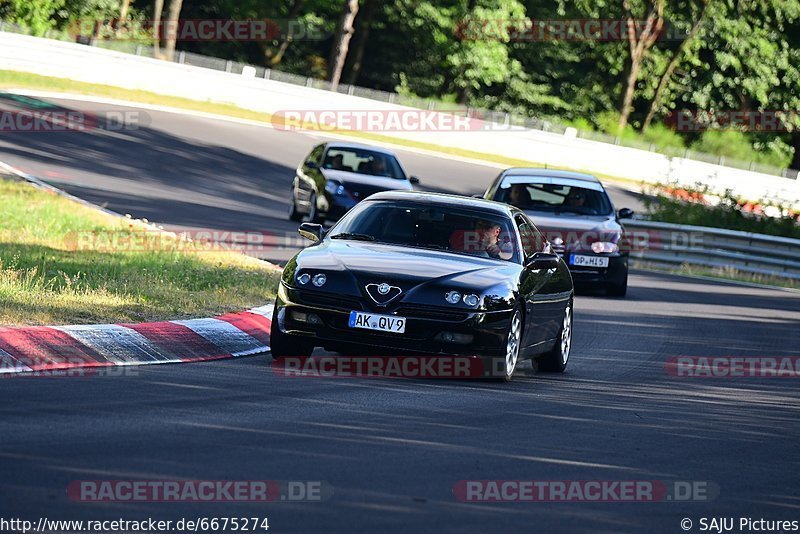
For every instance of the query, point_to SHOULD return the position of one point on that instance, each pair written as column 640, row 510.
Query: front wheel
column 556, row 360
column 294, row 215
column 513, row 343
column 313, row 211
column 618, row 288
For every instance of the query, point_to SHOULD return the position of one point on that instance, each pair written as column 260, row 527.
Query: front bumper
column 337, row 205
column 615, row 273
column 424, row 325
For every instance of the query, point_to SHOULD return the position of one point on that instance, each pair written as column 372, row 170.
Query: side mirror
column 414, row 180
column 625, row 213
column 542, row 260
column 311, row 231
column 312, row 164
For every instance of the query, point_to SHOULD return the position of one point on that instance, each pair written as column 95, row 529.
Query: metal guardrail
column 677, row 244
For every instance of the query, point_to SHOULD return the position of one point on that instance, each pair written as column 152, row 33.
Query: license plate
column 381, row 323
column 588, row 261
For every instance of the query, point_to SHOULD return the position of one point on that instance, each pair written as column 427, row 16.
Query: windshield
column 363, row 161
column 555, row 198
column 456, row 230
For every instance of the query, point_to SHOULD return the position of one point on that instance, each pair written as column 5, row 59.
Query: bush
column 687, row 206
column 736, row 145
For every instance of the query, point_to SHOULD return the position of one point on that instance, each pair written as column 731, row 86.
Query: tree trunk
column 172, row 28
column 274, row 58
column 360, row 43
column 794, row 140
column 157, row 9
column 123, row 16
column 639, row 45
column 342, row 44
column 123, row 11
column 630, row 90
column 673, row 64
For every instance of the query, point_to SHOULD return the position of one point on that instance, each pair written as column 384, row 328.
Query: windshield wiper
column 354, row 236
column 432, row 246
column 568, row 209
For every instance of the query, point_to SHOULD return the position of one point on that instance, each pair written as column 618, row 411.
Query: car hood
column 379, row 183
column 576, row 232
column 569, row 222
column 351, row 265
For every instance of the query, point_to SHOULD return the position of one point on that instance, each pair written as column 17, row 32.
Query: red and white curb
column 47, row 348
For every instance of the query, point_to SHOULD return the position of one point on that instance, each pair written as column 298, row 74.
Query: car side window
column 532, row 240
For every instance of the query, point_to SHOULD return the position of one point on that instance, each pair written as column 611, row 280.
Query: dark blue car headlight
column 334, row 188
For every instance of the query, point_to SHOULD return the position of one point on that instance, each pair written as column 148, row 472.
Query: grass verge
column 723, row 274
column 14, row 79
column 51, row 274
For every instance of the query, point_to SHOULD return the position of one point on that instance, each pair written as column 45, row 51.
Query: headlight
column 453, row 297
column 334, row 188
column 319, row 280
column 604, row 247
column 471, row 300
column 304, row 278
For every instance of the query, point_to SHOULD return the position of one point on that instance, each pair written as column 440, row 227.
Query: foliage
column 714, row 55
column 687, row 206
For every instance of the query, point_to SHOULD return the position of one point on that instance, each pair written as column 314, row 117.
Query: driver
column 488, row 239
column 575, row 199
column 337, row 162
column 519, row 196
column 378, row 167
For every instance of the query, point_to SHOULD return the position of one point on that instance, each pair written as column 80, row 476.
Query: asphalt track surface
column 391, row 450
column 192, row 173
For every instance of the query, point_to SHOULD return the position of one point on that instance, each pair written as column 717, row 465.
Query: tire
column 294, row 215
column 516, row 328
column 557, row 358
column 618, row 289
column 313, row 212
column 282, row 345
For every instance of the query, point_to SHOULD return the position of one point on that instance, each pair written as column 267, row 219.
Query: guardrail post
column 228, row 65
column 138, row 50
column 308, row 81
column 181, row 57
column 350, row 90
column 267, row 73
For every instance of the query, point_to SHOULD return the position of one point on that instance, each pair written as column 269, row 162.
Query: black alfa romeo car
column 428, row 274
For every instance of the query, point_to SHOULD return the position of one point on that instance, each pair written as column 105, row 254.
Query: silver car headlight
column 604, row 247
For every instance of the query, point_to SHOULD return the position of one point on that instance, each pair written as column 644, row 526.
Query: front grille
column 424, row 312
column 337, row 302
